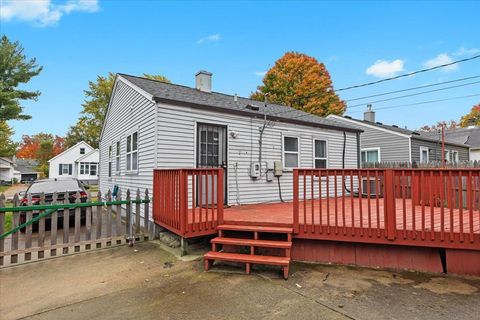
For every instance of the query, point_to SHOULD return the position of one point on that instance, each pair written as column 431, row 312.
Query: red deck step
column 247, row 258
column 253, row 242
column 234, row 227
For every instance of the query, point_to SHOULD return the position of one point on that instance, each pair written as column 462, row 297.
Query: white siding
column 176, row 149
column 129, row 111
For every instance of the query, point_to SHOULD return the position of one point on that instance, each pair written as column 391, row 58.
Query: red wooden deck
column 281, row 214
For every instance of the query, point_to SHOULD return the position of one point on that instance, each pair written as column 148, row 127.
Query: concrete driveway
column 147, row 282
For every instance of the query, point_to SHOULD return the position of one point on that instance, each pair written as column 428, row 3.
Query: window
column 65, row 169
column 424, row 155
column 370, row 155
column 452, row 156
column 320, row 154
column 117, row 157
column 88, row 168
column 109, row 161
column 82, row 150
column 132, row 152
column 290, row 152
column 93, row 169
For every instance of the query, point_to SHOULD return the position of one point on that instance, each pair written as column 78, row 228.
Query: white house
column 79, row 161
column 151, row 124
column 6, row 169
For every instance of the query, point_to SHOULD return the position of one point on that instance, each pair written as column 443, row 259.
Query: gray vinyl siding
column 435, row 150
column 129, row 111
column 176, row 149
column 393, row 147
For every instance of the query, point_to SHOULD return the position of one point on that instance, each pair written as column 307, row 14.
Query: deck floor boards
column 282, row 214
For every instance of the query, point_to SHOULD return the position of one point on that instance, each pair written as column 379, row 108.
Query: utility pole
column 443, row 145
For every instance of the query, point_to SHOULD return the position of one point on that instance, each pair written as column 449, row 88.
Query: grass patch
column 8, row 221
column 4, row 188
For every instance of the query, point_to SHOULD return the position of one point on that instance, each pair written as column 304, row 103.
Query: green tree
column 7, row 146
column 15, row 69
column 301, row 82
column 89, row 125
column 472, row 118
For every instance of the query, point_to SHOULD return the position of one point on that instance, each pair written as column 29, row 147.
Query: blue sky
column 359, row 42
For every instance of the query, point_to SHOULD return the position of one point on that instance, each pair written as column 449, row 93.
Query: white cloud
column 43, row 12
column 210, row 38
column 260, row 73
column 466, row 52
column 439, row 60
column 383, row 68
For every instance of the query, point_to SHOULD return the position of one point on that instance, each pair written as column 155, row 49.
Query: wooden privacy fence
column 417, row 207
column 90, row 224
column 188, row 202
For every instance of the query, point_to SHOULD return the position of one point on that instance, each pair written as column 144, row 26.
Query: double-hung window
column 110, row 161
column 320, row 154
column 454, row 156
column 117, row 157
column 424, row 155
column 93, row 169
column 132, row 152
column 290, row 152
column 371, row 155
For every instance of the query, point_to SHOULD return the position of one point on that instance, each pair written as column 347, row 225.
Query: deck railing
column 419, row 207
column 188, row 202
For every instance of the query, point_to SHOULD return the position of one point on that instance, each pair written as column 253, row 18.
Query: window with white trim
column 424, row 155
column 93, row 169
column 320, row 153
column 132, row 152
column 454, row 156
column 290, row 152
column 117, row 157
column 370, row 155
column 82, row 150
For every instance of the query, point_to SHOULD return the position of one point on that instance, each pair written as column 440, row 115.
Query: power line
column 414, row 88
column 423, row 102
column 413, row 94
column 408, row 74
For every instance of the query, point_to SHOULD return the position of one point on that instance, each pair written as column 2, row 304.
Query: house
column 390, row 143
column 25, row 170
column 151, row 124
column 6, row 170
column 79, row 161
column 469, row 136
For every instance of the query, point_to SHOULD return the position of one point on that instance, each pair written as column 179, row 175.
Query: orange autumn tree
column 41, row 147
column 301, row 82
column 472, row 118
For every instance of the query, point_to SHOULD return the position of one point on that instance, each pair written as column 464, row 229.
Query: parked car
column 61, row 186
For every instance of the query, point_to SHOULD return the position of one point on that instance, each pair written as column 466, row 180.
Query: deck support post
column 183, row 246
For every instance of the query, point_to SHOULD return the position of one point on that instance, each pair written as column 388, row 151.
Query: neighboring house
column 390, row 143
column 26, row 170
column 6, row 169
column 151, row 124
column 469, row 136
column 79, row 161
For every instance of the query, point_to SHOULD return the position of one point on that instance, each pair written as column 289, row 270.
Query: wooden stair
column 229, row 235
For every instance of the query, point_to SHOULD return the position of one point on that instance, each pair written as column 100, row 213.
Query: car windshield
column 51, row 186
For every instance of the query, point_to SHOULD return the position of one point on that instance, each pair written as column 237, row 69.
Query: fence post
column 389, row 205
column 138, row 200
column 2, row 222
column 128, row 217
column 295, row 201
column 220, row 196
column 146, row 221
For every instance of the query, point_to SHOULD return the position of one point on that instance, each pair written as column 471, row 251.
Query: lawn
column 8, row 219
column 4, row 188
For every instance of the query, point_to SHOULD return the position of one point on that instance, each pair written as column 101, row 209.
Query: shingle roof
column 223, row 102
column 433, row 137
column 469, row 136
column 26, row 165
